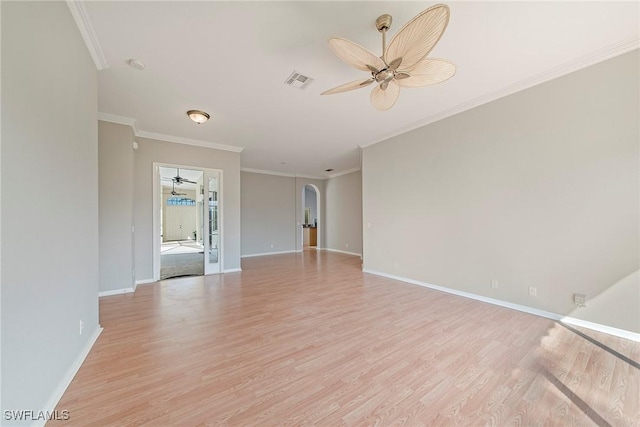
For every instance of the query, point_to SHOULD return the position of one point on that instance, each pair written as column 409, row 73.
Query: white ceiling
column 231, row 59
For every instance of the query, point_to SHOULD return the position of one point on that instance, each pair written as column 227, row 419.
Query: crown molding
column 293, row 175
column 121, row 120
column 285, row 174
column 311, row 177
column 616, row 49
column 265, row 172
column 348, row 171
column 81, row 16
column 133, row 123
column 188, row 141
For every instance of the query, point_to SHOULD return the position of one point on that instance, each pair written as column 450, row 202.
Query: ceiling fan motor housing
column 383, row 23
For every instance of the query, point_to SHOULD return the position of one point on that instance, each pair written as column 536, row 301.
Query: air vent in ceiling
column 298, row 80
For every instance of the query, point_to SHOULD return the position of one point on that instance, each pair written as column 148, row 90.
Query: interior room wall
column 537, row 189
column 173, row 210
column 344, row 213
column 150, row 151
column 268, row 213
column 115, row 147
column 279, row 198
column 49, row 238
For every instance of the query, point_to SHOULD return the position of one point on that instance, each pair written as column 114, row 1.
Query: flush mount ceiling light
column 198, row 116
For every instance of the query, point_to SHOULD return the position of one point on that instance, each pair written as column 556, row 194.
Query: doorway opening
column 187, row 221
column 181, row 248
column 311, row 214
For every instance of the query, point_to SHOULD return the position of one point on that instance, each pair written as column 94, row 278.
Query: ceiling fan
column 180, row 180
column 403, row 62
column 174, row 192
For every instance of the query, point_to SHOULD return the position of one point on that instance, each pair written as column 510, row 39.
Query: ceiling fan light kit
column 198, row 116
column 403, row 62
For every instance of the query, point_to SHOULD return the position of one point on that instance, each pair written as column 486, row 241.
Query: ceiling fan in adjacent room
column 404, row 61
column 174, row 192
column 179, row 179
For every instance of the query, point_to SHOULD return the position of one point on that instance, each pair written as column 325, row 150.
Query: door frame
column 157, row 199
column 207, row 173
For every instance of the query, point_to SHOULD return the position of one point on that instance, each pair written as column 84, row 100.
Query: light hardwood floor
column 311, row 340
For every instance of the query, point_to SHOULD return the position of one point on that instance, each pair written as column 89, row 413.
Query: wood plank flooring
column 308, row 339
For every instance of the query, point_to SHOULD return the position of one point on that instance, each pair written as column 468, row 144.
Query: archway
column 311, row 217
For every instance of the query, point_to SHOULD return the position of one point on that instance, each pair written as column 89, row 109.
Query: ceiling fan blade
column 355, row 55
column 385, row 99
column 393, row 65
column 373, row 69
column 428, row 72
column 348, row 86
column 415, row 40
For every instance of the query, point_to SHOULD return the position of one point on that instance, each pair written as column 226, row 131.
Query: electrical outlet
column 346, row 245
column 272, row 246
column 533, row 291
column 580, row 300
column 81, row 326
column 494, row 284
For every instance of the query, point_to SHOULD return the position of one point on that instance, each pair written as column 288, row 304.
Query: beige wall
column 540, row 189
column 279, row 199
column 344, row 213
column 115, row 163
column 268, row 213
column 151, row 151
column 49, row 202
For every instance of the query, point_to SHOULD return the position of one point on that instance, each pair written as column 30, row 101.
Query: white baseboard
column 68, row 377
column 341, row 252
column 145, row 281
column 232, row 270
column 115, row 292
column 267, row 253
column 621, row 333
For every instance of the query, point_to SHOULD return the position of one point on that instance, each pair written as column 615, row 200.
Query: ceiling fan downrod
column 383, row 23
